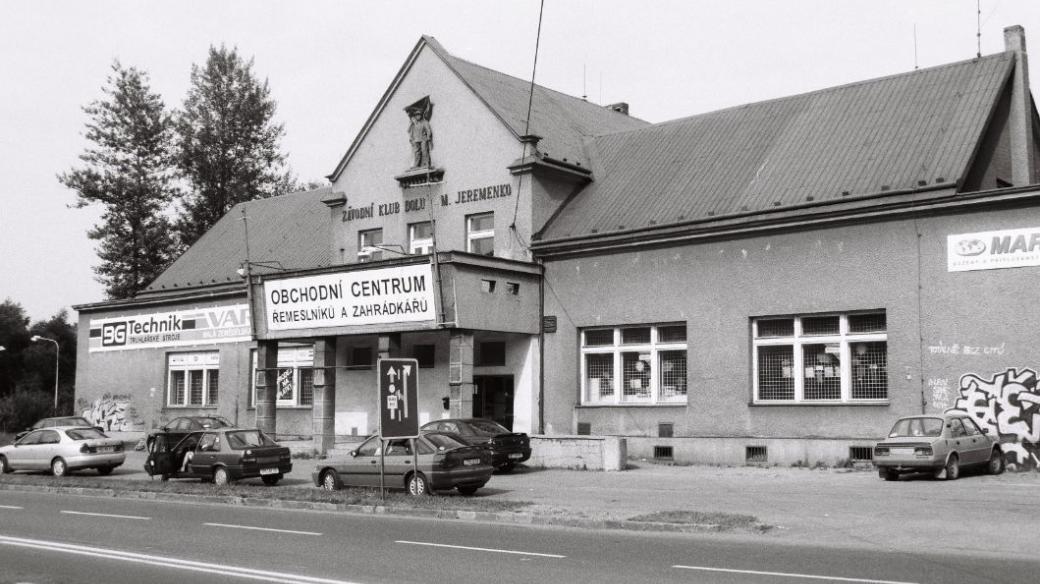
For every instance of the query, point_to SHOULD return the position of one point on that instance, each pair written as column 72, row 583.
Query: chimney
column 619, row 107
column 1020, row 120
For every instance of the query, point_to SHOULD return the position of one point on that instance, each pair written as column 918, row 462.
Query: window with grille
column 295, row 380
column 480, row 234
column 368, row 245
column 193, row 378
column 644, row 364
column 420, row 238
column 830, row 358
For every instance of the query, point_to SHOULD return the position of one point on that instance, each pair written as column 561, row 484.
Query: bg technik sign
column 381, row 296
column 220, row 324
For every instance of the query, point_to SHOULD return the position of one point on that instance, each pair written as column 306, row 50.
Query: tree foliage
column 228, row 142
column 127, row 170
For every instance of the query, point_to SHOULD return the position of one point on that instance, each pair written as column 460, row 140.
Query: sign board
column 398, row 400
column 200, row 326
column 361, row 297
column 990, row 250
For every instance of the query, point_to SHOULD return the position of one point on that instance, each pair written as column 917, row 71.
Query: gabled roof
column 907, row 131
column 288, row 231
column 563, row 121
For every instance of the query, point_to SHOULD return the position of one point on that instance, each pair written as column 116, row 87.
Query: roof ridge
column 835, row 88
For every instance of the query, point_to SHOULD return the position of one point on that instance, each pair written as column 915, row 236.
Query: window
column 420, row 238
column 295, row 381
column 491, row 353
column 480, row 234
column 194, row 379
column 643, row 364
column 367, row 242
column 838, row 358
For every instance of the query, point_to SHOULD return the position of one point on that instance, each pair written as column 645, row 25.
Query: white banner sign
column 989, row 250
column 379, row 296
column 178, row 328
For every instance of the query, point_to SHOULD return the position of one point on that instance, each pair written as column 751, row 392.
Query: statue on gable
column 420, row 134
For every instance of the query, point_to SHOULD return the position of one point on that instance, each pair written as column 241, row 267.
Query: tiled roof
column 289, row 231
column 563, row 121
column 860, row 139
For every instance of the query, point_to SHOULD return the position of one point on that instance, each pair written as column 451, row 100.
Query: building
column 774, row 282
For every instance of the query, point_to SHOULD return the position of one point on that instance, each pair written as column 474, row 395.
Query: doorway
column 493, row 398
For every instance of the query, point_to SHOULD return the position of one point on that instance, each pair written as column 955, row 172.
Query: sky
column 329, row 62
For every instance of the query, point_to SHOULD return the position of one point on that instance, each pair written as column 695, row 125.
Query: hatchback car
column 444, row 462
column 63, row 449
column 942, row 444
column 222, row 455
column 178, row 428
column 507, row 448
column 78, row 421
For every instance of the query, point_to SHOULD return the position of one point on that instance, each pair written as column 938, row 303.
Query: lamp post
column 57, row 361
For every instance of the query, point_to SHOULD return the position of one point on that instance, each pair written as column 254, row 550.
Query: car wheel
column 271, row 480
column 417, row 485
column 104, row 470
column 330, row 480
column 953, row 468
column 221, row 477
column 59, row 468
column 468, row 491
column 888, row 474
column 996, row 462
column 4, row 467
column 507, row 468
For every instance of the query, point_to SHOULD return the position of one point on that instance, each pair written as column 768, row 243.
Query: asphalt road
column 47, row 538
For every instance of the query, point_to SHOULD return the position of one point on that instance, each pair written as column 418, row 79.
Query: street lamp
column 57, row 360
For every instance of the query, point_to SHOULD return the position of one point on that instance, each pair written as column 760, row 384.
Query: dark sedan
column 508, row 448
column 221, row 455
column 178, row 428
column 443, row 463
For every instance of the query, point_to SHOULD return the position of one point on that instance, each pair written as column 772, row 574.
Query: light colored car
column 63, row 449
column 940, row 443
column 444, row 462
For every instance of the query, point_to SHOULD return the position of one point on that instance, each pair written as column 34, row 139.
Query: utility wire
column 527, row 122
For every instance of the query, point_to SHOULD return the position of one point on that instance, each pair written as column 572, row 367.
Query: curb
column 516, row 518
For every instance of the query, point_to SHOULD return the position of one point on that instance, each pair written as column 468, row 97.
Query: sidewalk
column 836, row 507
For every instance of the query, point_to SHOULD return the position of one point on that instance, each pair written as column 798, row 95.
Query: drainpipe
column 541, row 350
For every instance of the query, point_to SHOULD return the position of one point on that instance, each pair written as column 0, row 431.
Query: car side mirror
column 353, row 453
column 985, row 430
column 99, row 428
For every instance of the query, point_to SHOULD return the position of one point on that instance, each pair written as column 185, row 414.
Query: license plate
column 903, row 451
column 104, row 449
column 268, row 471
column 471, row 461
column 515, row 455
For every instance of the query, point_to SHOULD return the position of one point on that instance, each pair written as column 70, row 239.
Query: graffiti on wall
column 113, row 413
column 1008, row 403
column 940, row 388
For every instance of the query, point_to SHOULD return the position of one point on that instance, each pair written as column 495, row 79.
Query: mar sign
column 398, row 401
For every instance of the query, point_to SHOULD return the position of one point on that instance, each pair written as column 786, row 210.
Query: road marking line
column 479, row 549
column 790, row 575
column 262, row 528
column 10, row 507
column 220, row 569
column 106, row 515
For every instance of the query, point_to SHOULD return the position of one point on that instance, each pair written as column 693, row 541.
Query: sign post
column 398, row 406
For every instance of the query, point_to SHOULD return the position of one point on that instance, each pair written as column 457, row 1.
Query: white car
column 62, row 450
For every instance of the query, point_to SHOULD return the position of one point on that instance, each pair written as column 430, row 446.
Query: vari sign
column 989, row 250
column 379, row 296
column 220, row 324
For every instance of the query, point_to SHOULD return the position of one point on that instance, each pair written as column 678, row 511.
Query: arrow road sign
column 398, row 398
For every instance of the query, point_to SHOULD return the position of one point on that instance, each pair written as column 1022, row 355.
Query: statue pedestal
column 414, row 177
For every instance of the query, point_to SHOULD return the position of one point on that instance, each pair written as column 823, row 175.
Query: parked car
column 942, row 444
column 63, row 449
column 76, row 421
column 508, row 448
column 180, row 427
column 444, row 462
column 222, row 455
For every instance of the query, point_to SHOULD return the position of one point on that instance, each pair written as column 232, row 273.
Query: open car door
column 160, row 456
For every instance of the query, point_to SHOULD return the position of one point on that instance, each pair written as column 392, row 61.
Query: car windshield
column 85, row 434
column 443, row 442
column 214, row 422
column 913, row 427
column 248, row 439
column 487, row 428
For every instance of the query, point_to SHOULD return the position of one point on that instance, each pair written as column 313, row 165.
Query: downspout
column 541, row 349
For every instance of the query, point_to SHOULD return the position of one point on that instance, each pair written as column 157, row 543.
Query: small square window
column 512, row 288
column 488, row 286
column 368, row 245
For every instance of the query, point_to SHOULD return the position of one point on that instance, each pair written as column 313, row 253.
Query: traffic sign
column 398, row 399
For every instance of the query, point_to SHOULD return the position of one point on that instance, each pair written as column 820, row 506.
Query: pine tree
column 129, row 172
column 228, row 142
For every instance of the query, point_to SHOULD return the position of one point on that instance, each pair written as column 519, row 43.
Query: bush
column 23, row 409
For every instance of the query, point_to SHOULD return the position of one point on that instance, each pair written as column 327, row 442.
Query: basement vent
column 861, row 453
column 756, row 454
column 665, row 430
column 584, row 429
column 662, row 453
